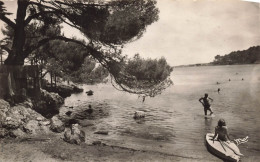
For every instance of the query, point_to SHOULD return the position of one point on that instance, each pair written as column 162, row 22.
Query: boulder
column 89, row 93
column 4, row 105
column 139, row 114
column 74, row 135
column 86, row 123
column 68, row 113
column 39, row 119
column 45, row 123
column 76, row 89
column 24, row 114
column 64, row 90
column 103, row 132
column 57, row 125
column 52, row 99
column 49, row 103
column 96, row 143
column 27, row 104
column 3, row 133
column 31, row 127
column 17, row 133
column 13, row 122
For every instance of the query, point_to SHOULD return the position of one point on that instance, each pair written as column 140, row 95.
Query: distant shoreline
column 208, row 64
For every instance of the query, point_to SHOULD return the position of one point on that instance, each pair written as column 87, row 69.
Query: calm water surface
column 175, row 122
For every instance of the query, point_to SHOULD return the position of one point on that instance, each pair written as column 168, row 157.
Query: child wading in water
column 206, row 103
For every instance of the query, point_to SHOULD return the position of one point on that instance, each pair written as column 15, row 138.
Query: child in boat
column 206, row 103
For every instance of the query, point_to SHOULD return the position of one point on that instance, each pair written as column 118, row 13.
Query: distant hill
column 249, row 56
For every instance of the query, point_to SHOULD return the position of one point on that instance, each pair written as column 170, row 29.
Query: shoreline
column 56, row 149
column 209, row 64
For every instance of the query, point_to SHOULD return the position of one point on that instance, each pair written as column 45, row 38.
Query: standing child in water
column 206, row 103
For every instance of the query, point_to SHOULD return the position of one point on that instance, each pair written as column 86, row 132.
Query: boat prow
column 225, row 150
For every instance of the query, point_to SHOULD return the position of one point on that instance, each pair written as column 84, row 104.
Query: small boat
column 224, row 150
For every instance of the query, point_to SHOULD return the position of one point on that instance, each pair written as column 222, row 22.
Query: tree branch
column 46, row 40
column 7, row 21
column 5, row 48
column 29, row 18
column 43, row 75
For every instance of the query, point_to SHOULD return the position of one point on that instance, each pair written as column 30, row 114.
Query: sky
column 192, row 31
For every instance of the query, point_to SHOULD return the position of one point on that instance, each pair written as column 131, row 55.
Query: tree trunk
column 55, row 80
column 1, row 58
column 51, row 79
column 16, row 57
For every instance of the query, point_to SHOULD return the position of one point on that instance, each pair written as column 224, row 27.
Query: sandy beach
column 56, row 149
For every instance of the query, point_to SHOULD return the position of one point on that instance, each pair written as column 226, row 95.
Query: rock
column 96, row 143
column 64, row 90
column 71, row 107
column 86, row 123
column 17, row 116
column 12, row 122
column 3, row 133
column 27, row 104
column 89, row 93
column 68, row 113
column 64, row 156
column 49, row 103
column 39, row 118
column 45, row 122
column 4, row 106
column 52, row 98
column 31, row 127
column 77, row 89
column 17, row 133
column 101, row 132
column 24, row 114
column 74, row 135
column 45, row 129
column 139, row 114
column 57, row 125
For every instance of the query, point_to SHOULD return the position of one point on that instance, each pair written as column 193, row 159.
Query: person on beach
column 206, row 103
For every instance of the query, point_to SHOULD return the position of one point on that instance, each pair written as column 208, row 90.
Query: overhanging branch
column 5, row 48
column 29, row 18
column 7, row 21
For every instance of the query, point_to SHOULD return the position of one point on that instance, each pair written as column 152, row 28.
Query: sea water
column 174, row 122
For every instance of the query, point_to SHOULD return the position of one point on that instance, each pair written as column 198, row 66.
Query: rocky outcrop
column 74, row 135
column 19, row 115
column 20, row 120
column 64, row 90
column 48, row 104
column 57, row 125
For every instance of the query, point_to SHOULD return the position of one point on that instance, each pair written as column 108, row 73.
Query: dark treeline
column 249, row 56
